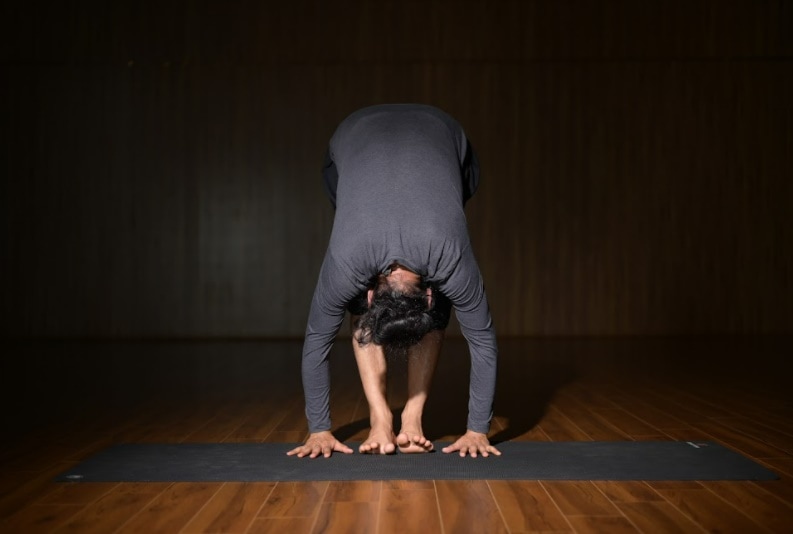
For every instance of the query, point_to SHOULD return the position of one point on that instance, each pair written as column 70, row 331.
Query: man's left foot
column 413, row 442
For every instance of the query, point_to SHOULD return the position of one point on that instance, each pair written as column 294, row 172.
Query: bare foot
column 379, row 442
column 410, row 441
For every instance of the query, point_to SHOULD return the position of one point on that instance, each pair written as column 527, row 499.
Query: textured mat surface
column 579, row 460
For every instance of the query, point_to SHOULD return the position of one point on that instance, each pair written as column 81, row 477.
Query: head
column 398, row 315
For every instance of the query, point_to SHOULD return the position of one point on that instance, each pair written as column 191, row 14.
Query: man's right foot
column 380, row 441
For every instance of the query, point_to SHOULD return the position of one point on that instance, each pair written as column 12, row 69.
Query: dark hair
column 396, row 319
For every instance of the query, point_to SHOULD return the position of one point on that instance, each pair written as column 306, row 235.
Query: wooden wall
column 161, row 159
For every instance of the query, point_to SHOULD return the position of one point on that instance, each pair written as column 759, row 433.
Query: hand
column 472, row 443
column 323, row 443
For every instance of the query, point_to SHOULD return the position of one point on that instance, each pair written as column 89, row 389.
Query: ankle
column 380, row 419
column 411, row 422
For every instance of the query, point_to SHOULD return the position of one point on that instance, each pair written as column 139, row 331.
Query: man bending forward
column 399, row 260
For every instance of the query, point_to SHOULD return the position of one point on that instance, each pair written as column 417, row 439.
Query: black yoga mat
column 579, row 460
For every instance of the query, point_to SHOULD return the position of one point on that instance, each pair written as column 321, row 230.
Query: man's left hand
column 473, row 443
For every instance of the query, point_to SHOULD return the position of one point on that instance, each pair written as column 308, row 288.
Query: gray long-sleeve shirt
column 399, row 199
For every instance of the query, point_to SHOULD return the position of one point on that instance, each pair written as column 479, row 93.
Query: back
column 400, row 193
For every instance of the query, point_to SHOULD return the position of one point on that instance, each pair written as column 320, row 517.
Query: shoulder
column 406, row 108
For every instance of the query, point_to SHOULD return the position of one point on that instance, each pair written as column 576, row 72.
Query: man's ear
column 369, row 296
column 429, row 298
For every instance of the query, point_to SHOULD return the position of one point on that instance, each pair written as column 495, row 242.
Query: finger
column 451, row 448
column 472, row 451
column 494, row 450
column 315, row 451
column 326, row 451
column 341, row 447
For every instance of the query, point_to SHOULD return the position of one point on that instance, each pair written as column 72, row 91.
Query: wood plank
column 734, row 439
column 39, row 518
column 294, row 499
column 782, row 466
column 674, row 484
column 343, row 517
column 353, row 491
column 759, row 431
column 287, row 436
column 533, row 434
column 219, row 428
column 662, row 398
column 627, row 491
column 761, row 506
column 409, row 485
column 597, row 524
column 78, row 493
column 345, row 402
column 262, row 419
column 407, row 509
column 625, row 422
column 174, row 426
column 558, row 427
column 281, row 525
column 579, row 498
column 115, row 508
column 682, row 400
column 658, row 516
column 639, row 408
column 172, row 509
column 596, row 429
column 32, row 485
column 526, row 507
column 585, row 396
column 468, row 506
column 294, row 417
column 710, row 512
column 232, row 509
column 783, row 488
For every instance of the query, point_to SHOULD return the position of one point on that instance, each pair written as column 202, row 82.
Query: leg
column 422, row 361
column 372, row 368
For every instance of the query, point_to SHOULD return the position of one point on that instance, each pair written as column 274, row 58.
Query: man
column 399, row 259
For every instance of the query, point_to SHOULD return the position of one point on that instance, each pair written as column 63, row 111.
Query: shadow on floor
column 526, row 384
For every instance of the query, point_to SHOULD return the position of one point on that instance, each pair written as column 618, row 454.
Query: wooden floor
column 65, row 401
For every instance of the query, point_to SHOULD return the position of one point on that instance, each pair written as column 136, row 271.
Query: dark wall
column 161, row 159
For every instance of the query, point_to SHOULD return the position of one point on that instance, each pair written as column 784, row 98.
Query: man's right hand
column 323, row 443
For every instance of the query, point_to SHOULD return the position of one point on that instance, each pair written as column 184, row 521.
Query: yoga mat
column 579, row 460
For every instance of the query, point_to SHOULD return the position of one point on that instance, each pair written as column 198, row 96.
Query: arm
column 325, row 318
column 324, row 321
column 466, row 291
